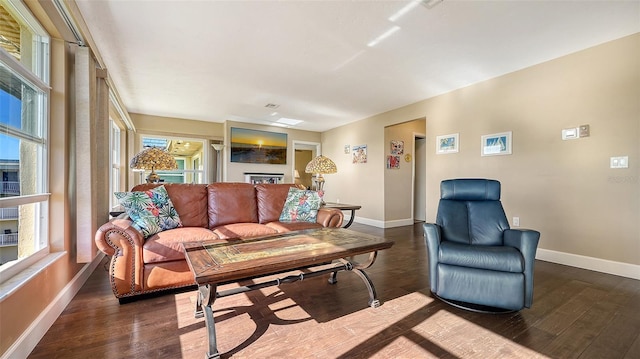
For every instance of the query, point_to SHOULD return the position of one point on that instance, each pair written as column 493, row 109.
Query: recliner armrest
column 432, row 235
column 526, row 240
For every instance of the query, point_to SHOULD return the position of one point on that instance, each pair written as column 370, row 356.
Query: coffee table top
column 213, row 262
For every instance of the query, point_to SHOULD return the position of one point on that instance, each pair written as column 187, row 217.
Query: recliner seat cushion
column 497, row 258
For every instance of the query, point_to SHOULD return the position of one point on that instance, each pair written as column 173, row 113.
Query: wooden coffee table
column 317, row 251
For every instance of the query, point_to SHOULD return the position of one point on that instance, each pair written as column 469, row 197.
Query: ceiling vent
column 271, row 105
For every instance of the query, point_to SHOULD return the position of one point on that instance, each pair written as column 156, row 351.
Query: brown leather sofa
column 218, row 211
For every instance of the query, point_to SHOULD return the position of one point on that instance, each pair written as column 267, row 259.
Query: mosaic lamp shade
column 321, row 165
column 153, row 158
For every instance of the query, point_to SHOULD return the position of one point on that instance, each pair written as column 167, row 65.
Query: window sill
column 11, row 285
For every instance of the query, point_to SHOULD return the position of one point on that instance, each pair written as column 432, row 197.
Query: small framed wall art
column 397, row 147
column 393, row 162
column 496, row 144
column 359, row 153
column 447, row 143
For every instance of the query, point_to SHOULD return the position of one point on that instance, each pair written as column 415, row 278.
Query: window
column 189, row 155
column 114, row 178
column 24, row 92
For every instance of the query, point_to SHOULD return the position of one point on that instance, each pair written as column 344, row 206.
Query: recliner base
column 478, row 308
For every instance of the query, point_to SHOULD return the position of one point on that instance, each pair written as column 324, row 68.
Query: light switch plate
column 619, row 162
column 570, row 133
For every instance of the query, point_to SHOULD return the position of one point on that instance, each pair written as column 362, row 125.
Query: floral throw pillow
column 301, row 206
column 151, row 211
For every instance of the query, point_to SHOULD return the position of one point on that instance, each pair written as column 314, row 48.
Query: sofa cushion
column 231, row 203
column 283, row 227
column 243, row 230
column 301, row 206
column 167, row 245
column 151, row 211
column 190, row 201
column 271, row 199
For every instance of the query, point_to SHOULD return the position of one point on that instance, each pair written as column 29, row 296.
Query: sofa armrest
column 330, row 217
column 123, row 243
column 526, row 241
column 432, row 237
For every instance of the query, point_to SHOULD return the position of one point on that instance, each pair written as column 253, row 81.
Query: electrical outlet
column 516, row 221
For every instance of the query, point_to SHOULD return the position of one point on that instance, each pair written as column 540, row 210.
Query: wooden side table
column 344, row 207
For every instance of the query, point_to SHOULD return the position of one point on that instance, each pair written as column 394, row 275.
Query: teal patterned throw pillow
column 301, row 206
column 151, row 211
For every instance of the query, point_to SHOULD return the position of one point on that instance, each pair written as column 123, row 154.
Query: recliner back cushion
column 470, row 211
column 232, row 203
column 471, row 189
column 472, row 222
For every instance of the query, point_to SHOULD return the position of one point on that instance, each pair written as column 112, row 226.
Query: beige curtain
column 91, row 152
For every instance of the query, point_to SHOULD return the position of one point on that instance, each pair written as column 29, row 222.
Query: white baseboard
column 367, row 221
column 399, row 223
column 590, row 263
column 25, row 344
column 382, row 224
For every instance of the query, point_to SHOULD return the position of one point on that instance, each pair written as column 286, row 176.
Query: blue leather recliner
column 475, row 260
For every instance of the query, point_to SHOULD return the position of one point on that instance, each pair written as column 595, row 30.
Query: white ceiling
column 226, row 60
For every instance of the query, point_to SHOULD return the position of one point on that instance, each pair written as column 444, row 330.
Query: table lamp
column 153, row 158
column 321, row 165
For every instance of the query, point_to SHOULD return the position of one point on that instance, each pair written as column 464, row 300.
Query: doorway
column 420, row 178
column 304, row 152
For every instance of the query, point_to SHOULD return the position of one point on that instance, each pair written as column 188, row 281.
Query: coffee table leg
column 206, row 297
column 352, row 265
column 373, row 297
column 333, row 278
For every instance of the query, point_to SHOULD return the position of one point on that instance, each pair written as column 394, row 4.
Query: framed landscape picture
column 255, row 146
column 496, row 144
column 447, row 143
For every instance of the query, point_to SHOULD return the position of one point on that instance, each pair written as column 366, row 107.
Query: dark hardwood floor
column 576, row 314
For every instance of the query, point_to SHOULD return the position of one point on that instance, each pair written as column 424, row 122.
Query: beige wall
column 158, row 125
column 398, row 183
column 564, row 189
column 234, row 172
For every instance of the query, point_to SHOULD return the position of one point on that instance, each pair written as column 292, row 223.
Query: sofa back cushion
column 189, row 200
column 232, row 203
column 271, row 199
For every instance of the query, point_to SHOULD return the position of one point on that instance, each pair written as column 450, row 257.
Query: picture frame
column 397, row 147
column 255, row 146
column 496, row 144
column 359, row 154
column 446, row 144
column 393, row 162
